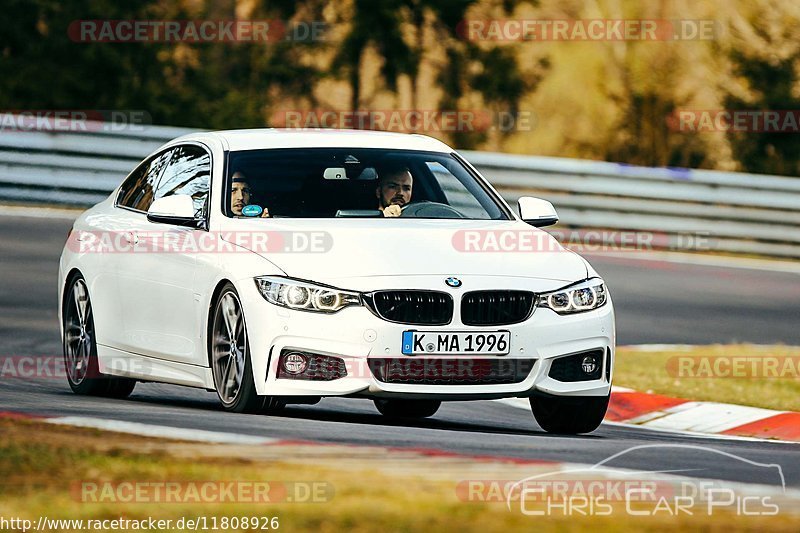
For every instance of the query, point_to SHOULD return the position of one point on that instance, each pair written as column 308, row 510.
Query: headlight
column 584, row 296
column 305, row 296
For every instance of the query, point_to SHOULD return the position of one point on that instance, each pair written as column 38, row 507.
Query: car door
column 133, row 199
column 156, row 282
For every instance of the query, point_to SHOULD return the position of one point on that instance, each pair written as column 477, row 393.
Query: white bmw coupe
column 276, row 267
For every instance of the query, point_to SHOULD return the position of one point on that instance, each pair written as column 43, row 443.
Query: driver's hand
column 393, row 210
column 265, row 213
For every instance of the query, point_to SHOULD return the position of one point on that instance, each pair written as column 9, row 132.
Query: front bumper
column 357, row 336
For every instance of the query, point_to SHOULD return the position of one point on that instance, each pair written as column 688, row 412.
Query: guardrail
column 728, row 212
column 711, row 210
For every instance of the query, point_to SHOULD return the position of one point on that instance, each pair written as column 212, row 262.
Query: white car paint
column 152, row 310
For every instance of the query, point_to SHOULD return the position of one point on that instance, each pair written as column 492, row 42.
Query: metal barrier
column 724, row 211
column 699, row 209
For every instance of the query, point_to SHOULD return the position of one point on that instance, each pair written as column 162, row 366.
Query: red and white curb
column 675, row 414
column 627, row 407
column 145, row 430
column 723, row 420
column 405, row 460
column 218, row 437
column 465, row 470
column 164, row 432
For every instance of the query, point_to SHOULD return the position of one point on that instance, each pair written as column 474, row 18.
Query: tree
column 376, row 24
column 206, row 85
column 43, row 69
column 490, row 71
column 764, row 55
column 772, row 82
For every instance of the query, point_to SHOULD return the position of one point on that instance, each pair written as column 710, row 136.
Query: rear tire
column 569, row 415
column 407, row 408
column 80, row 347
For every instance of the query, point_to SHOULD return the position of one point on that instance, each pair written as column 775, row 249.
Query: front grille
column 454, row 371
column 569, row 368
column 496, row 308
column 423, row 308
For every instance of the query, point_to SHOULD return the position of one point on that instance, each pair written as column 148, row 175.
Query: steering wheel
column 426, row 209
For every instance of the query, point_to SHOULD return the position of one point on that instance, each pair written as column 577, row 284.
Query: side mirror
column 177, row 209
column 537, row 212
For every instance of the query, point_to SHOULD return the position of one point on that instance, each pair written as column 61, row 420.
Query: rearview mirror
column 335, row 173
column 177, row 209
column 537, row 212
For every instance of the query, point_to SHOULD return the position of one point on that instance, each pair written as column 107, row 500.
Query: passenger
column 241, row 195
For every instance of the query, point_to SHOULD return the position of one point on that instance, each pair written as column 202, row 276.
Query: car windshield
column 354, row 182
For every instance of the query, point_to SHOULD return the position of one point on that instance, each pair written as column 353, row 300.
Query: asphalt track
column 656, row 302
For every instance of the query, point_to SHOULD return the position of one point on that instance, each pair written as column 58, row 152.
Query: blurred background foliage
column 607, row 100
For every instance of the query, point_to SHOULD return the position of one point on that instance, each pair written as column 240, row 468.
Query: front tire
column 229, row 351
column 569, row 415
column 80, row 347
column 407, row 408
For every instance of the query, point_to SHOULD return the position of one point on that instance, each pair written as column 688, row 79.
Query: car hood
column 330, row 250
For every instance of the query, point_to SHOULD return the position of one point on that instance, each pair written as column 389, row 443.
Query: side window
column 137, row 191
column 188, row 172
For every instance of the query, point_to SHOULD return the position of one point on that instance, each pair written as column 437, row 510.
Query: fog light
column 589, row 364
column 295, row 363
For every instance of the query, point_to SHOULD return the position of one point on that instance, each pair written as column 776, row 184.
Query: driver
column 394, row 190
column 241, row 194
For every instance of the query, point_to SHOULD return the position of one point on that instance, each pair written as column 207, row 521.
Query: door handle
column 132, row 237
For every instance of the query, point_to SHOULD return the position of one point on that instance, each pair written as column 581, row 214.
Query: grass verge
column 41, row 465
column 756, row 375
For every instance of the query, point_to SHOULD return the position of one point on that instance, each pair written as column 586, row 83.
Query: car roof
column 254, row 139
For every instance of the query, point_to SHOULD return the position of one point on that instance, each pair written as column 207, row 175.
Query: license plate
column 456, row 342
